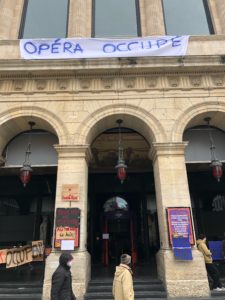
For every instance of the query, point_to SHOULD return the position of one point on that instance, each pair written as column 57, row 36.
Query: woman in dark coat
column 62, row 280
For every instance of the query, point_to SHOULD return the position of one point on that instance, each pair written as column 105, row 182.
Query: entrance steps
column 16, row 291
column 145, row 289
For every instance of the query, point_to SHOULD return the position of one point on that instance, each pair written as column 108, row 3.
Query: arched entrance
column 206, row 191
column 122, row 217
column 27, row 212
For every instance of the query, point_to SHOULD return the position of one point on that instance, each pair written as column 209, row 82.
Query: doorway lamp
column 121, row 166
column 26, row 170
column 216, row 164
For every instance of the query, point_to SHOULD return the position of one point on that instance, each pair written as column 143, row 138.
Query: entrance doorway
column 122, row 218
column 207, row 193
column 27, row 212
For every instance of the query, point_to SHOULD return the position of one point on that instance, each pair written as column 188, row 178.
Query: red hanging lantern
column 217, row 169
column 25, row 174
column 216, row 165
column 121, row 167
column 121, row 171
column 26, row 170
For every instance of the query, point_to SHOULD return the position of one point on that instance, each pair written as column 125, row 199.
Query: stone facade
column 157, row 97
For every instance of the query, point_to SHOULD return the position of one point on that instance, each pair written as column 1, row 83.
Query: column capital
column 167, row 149
column 74, row 151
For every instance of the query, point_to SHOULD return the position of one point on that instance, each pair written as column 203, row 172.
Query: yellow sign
column 65, row 233
column 70, row 192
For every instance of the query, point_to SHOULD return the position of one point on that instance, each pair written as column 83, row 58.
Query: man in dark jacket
column 62, row 280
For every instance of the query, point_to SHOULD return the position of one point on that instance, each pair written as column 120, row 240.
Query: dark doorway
column 208, row 204
column 133, row 231
column 22, row 213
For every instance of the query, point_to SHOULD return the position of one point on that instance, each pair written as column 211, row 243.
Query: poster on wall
column 180, row 223
column 70, row 192
column 19, row 256
column 67, row 227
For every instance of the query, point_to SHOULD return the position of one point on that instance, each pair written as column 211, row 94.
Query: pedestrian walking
column 123, row 280
column 210, row 266
column 62, row 279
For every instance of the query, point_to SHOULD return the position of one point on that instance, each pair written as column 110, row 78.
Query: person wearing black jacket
column 62, row 279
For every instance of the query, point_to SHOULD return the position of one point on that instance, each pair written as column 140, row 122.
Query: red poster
column 180, row 223
column 67, row 226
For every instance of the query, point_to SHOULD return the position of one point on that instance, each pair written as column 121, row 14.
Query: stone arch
column 15, row 120
column 134, row 117
column 195, row 115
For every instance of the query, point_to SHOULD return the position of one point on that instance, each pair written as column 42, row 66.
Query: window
column 115, row 18
column 45, row 19
column 187, row 17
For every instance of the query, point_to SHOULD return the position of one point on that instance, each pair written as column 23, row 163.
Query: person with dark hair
column 62, row 279
column 210, row 266
column 123, row 281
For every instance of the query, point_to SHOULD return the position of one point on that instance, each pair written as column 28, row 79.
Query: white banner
column 103, row 48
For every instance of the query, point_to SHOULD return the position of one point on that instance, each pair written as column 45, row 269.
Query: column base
column 81, row 273
column 183, row 278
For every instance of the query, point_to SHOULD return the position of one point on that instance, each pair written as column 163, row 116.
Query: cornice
column 74, row 151
column 167, row 149
column 112, row 66
column 113, row 83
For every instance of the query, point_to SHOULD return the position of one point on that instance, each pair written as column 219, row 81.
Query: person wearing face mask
column 62, row 279
column 123, row 281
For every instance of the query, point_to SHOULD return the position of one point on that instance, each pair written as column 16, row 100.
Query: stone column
column 181, row 279
column 80, row 18
column 151, row 15
column 217, row 11
column 10, row 18
column 72, row 169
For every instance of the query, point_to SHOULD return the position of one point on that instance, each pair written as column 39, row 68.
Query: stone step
column 20, row 290
column 138, row 295
column 137, row 287
column 215, row 294
column 136, row 282
column 21, row 296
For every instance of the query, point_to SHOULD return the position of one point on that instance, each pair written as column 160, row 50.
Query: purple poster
column 180, row 224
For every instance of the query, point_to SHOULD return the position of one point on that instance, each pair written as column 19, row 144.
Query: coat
column 205, row 251
column 123, row 283
column 62, row 281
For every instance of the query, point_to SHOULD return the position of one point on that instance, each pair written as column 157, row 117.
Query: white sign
column 105, row 236
column 103, row 48
column 67, row 245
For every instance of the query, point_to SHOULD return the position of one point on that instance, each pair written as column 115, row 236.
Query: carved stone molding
column 18, row 84
column 151, row 81
column 97, row 84
column 41, row 84
column 1, row 84
column 195, row 80
column 218, row 80
column 174, row 81
column 129, row 82
column 62, row 84
column 107, row 83
column 85, row 83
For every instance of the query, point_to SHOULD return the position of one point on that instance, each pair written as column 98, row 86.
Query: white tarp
column 102, row 48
